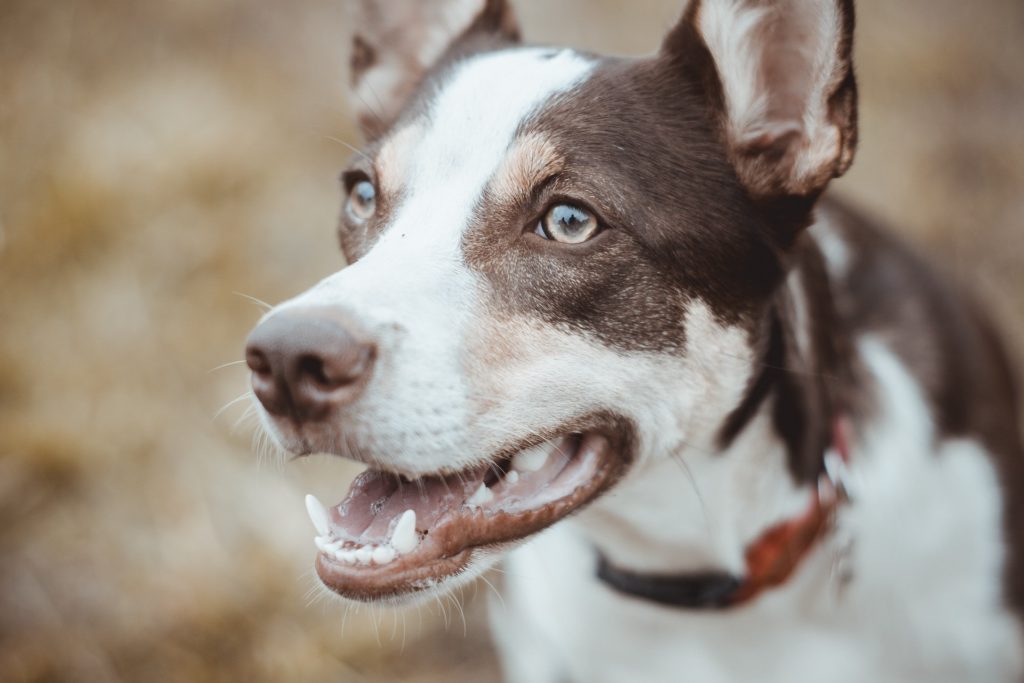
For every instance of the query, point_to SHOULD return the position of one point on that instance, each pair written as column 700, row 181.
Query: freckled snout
column 307, row 362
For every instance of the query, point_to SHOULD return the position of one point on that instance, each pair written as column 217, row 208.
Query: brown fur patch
column 531, row 160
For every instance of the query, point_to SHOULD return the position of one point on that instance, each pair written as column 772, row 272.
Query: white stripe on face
column 413, row 291
column 470, row 126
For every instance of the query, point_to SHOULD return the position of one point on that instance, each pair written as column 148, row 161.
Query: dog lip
column 446, row 548
column 400, row 578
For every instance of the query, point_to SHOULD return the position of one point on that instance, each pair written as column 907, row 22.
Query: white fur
column 795, row 287
column 919, row 608
column 413, row 292
column 731, row 31
column 684, row 505
column 838, row 253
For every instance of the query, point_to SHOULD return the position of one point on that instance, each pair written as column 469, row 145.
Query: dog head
column 559, row 268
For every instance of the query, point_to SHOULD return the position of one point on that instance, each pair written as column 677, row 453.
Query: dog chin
column 396, row 539
column 481, row 560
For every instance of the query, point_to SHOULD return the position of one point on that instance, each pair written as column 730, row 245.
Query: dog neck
column 701, row 508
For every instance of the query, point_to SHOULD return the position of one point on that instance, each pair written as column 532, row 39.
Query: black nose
column 307, row 362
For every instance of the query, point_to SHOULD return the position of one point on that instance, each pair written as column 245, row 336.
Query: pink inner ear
column 397, row 41
column 799, row 46
column 780, row 64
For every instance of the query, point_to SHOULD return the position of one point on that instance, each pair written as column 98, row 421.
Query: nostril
column 314, row 368
column 306, row 363
column 336, row 370
column 257, row 360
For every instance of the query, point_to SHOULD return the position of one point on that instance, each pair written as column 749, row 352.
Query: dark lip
column 369, row 584
column 449, row 551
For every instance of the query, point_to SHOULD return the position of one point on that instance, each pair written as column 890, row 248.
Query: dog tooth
column 318, row 515
column 364, row 554
column 383, row 554
column 322, row 544
column 512, row 477
column 480, row 496
column 531, row 459
column 346, row 555
column 403, row 538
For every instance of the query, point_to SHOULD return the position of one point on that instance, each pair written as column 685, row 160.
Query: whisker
column 250, row 412
column 375, row 619
column 226, row 365
column 259, row 302
column 457, row 601
column 377, row 113
column 444, row 612
column 678, row 458
column 497, row 593
column 405, row 628
column 394, row 625
column 349, row 146
column 230, row 403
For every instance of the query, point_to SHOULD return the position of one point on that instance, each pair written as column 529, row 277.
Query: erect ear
column 397, row 41
column 780, row 80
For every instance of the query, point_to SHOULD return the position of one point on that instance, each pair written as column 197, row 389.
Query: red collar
column 771, row 558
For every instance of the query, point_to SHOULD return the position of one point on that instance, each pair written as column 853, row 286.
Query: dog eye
column 568, row 224
column 362, row 200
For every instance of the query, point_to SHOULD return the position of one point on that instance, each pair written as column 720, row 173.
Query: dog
column 599, row 324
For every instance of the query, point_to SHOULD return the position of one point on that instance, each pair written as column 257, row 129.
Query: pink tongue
column 376, row 499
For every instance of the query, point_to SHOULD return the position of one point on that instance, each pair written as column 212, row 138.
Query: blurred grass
column 159, row 158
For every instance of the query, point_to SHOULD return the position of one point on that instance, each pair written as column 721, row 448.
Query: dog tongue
column 377, row 500
column 385, row 517
column 389, row 529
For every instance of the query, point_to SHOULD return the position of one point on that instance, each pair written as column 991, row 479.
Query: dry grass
column 157, row 159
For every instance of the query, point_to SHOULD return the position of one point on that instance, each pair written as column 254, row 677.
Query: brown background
column 157, row 159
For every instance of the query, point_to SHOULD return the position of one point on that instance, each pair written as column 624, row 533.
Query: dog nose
column 307, row 362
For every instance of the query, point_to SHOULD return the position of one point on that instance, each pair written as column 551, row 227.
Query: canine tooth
column 318, row 515
column 364, row 554
column 322, row 544
column 532, row 459
column 480, row 496
column 404, row 538
column 346, row 555
column 383, row 554
column 512, row 477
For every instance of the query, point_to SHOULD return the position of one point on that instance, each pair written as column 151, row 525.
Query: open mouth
column 393, row 536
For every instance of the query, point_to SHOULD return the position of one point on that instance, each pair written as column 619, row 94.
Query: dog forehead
column 441, row 161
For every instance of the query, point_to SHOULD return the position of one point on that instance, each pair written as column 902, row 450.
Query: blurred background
column 161, row 162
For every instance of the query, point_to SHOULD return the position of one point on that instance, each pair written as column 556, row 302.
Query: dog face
column 559, row 267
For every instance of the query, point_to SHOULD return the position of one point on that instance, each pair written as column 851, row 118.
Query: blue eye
column 568, row 224
column 362, row 200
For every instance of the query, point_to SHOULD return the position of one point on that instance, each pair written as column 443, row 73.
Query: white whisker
column 259, row 302
column 243, row 397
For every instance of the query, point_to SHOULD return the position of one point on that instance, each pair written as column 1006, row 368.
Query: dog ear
column 397, row 41
column 780, row 79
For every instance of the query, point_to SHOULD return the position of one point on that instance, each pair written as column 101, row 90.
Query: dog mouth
column 392, row 536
